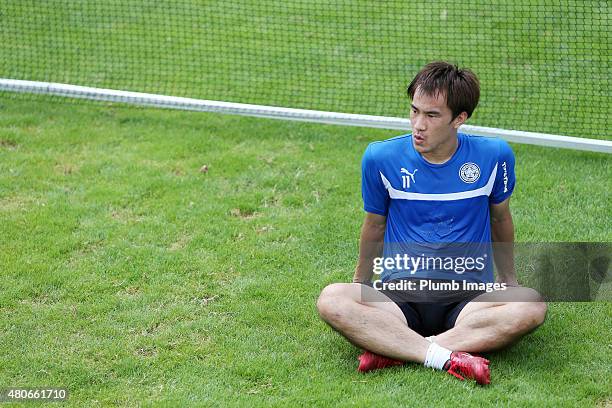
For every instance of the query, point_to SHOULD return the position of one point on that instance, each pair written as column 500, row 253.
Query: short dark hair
column 460, row 86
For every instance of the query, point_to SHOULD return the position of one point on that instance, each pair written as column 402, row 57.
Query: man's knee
column 529, row 315
column 537, row 311
column 332, row 301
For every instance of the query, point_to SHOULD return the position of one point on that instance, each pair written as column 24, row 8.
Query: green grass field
column 132, row 278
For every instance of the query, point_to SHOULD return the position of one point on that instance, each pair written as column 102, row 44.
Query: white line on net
column 305, row 115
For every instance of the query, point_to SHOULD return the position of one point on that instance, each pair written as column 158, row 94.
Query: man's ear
column 459, row 120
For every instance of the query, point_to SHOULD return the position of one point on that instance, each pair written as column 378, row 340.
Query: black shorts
column 430, row 318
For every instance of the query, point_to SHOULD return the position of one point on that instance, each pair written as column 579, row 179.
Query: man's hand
column 370, row 245
column 502, row 232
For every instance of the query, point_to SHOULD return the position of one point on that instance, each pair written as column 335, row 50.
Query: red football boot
column 464, row 365
column 369, row 361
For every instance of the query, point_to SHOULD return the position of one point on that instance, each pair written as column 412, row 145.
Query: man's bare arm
column 370, row 245
column 502, row 232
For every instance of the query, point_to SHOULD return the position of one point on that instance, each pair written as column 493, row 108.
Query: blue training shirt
column 439, row 204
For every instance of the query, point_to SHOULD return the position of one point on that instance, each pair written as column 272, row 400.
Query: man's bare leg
column 377, row 325
column 495, row 320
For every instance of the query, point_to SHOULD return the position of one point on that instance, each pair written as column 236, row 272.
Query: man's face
column 433, row 127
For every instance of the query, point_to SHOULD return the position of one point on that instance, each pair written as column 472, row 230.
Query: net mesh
column 544, row 65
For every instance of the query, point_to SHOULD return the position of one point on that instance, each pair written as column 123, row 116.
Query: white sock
column 437, row 356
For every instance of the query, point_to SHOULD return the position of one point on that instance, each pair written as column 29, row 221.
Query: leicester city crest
column 469, row 172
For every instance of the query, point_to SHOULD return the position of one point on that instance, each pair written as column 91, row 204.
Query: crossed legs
column 378, row 324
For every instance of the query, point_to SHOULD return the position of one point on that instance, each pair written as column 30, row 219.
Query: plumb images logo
column 433, row 285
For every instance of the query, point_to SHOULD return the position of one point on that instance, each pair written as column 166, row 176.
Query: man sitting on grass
column 435, row 188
